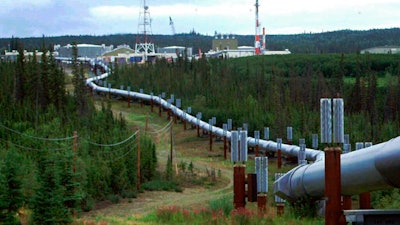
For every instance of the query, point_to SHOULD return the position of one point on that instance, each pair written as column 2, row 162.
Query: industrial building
column 221, row 42
column 12, row 55
column 84, row 50
column 382, row 50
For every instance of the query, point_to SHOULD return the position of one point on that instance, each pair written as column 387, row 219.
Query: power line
column 33, row 149
column 111, row 145
column 35, row 137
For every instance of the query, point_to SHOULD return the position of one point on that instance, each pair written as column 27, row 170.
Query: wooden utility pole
column 147, row 124
column 172, row 141
column 75, row 149
column 138, row 161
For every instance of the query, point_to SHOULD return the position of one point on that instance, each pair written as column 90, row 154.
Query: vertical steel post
column 279, row 152
column 262, row 204
column 332, row 186
column 251, row 187
column 239, row 193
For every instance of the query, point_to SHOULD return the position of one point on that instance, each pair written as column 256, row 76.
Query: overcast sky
column 34, row 18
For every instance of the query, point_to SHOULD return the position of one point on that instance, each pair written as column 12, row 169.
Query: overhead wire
column 111, row 145
column 165, row 128
column 33, row 149
column 36, row 137
column 115, row 150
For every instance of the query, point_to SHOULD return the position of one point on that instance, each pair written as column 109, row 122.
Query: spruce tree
column 47, row 203
column 11, row 197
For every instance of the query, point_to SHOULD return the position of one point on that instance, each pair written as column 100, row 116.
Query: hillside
column 343, row 41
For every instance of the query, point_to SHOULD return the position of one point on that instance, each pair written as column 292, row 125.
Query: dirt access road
column 187, row 148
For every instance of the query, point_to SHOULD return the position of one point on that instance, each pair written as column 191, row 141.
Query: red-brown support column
column 152, row 105
column 333, row 210
column 280, row 209
column 225, row 146
column 279, row 156
column 346, row 202
column 251, row 187
column 129, row 101
column 198, row 131
column 239, row 194
column 184, row 124
column 211, row 139
column 160, row 110
column 262, row 204
column 365, row 200
column 257, row 150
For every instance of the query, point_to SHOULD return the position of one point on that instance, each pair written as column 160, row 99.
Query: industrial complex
column 223, row 46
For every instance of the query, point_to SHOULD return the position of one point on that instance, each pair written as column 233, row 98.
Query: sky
column 35, row 18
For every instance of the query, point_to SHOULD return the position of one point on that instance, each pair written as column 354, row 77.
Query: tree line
column 44, row 168
column 342, row 41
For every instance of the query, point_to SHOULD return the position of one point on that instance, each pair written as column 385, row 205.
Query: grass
column 382, row 82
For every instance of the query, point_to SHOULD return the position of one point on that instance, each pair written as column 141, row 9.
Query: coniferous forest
column 46, row 169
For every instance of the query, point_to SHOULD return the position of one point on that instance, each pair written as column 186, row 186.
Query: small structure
column 228, row 42
column 84, row 50
column 382, row 50
column 12, row 55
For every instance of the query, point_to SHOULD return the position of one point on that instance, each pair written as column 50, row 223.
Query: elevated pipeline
column 369, row 169
column 365, row 170
column 311, row 154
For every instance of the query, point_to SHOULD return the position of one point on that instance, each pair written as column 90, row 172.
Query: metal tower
column 257, row 47
column 143, row 42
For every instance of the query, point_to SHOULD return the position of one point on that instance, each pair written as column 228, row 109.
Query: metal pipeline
column 311, row 154
column 365, row 170
column 369, row 169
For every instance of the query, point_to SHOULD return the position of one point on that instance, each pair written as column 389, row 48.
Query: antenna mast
column 143, row 44
column 257, row 46
column 171, row 23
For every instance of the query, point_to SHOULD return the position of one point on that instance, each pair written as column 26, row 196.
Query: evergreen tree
column 48, row 201
column 20, row 76
column 78, row 81
column 69, row 181
column 11, row 197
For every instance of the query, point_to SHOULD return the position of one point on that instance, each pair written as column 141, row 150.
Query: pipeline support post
column 333, row 210
column 279, row 155
column 365, row 200
column 280, row 209
column 239, row 193
column 211, row 139
column 251, row 187
column 262, row 204
column 225, row 146
column 346, row 202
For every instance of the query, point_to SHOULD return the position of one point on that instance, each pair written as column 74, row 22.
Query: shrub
column 241, row 216
column 113, row 198
column 161, row 185
column 223, row 204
